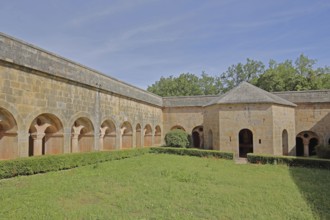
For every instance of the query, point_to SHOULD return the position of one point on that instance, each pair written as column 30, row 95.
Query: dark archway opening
column 245, row 142
column 30, row 146
column 311, row 146
column 299, row 147
column 196, row 139
column 285, row 144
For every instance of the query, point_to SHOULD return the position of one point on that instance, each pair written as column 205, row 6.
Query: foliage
column 288, row 160
column 323, row 151
column 177, row 138
column 43, row 164
column 285, row 76
column 186, row 84
column 146, row 187
column 193, row 152
column 238, row 73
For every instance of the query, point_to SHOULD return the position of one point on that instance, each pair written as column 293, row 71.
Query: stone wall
column 314, row 117
column 35, row 99
column 186, row 117
column 255, row 117
column 283, row 125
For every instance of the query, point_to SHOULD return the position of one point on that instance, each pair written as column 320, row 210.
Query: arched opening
column 329, row 141
column 285, row 143
column 306, row 141
column 198, row 137
column 158, row 136
column 138, row 135
column 8, row 135
column 126, row 135
column 210, row 139
column 147, row 136
column 82, row 135
column 177, row 127
column 46, row 135
column 299, row 147
column 108, row 135
column 313, row 142
column 245, row 142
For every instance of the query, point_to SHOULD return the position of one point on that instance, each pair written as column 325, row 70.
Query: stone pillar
column 102, row 133
column 67, row 140
column 75, row 136
column 122, row 130
column 37, row 138
column 37, row 143
column 306, row 147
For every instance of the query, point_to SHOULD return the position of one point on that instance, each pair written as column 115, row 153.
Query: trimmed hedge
column 289, row 161
column 43, row 164
column 192, row 152
column 177, row 138
column 323, row 151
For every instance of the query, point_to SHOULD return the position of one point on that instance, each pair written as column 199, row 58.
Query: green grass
column 159, row 186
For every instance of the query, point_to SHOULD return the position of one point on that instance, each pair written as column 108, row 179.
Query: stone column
column 102, row 133
column 37, row 143
column 75, row 136
column 37, row 138
column 306, row 147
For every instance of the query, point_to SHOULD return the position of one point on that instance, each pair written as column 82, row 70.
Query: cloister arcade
column 46, row 135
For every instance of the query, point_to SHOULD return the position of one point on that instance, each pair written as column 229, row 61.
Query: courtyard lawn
column 159, row 186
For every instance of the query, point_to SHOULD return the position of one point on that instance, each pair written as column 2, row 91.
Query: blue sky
column 138, row 41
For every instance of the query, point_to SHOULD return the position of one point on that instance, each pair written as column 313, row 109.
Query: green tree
column 186, row 84
column 238, row 73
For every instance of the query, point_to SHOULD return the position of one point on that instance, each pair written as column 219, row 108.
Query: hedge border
column 48, row 163
column 193, row 152
column 289, row 161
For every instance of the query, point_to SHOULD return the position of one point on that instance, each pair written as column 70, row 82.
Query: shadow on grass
column 314, row 186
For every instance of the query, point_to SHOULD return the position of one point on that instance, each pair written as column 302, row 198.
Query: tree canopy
column 285, row 76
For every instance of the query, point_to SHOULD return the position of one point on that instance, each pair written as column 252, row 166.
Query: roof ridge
column 248, row 93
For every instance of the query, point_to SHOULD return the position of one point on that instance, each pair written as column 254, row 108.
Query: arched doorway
column 210, row 139
column 147, row 136
column 178, row 127
column 313, row 142
column 158, row 135
column 8, row 135
column 46, row 135
column 126, row 135
column 108, row 135
column 138, row 135
column 82, row 135
column 285, row 144
column 245, row 142
column 306, row 141
column 299, row 147
column 197, row 137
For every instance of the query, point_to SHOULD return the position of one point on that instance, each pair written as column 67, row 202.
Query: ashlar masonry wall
column 53, row 109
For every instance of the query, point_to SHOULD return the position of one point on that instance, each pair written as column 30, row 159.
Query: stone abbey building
column 51, row 105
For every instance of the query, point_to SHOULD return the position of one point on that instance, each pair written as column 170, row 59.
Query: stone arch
column 210, row 139
column 178, row 127
column 197, row 135
column 126, row 135
column 8, row 135
column 138, row 135
column 285, row 142
column 306, row 141
column 10, row 108
column 82, row 135
column 46, row 135
column 245, row 137
column 158, row 135
column 147, row 137
column 108, row 135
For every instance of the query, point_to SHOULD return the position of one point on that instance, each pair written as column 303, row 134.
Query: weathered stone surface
column 80, row 110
